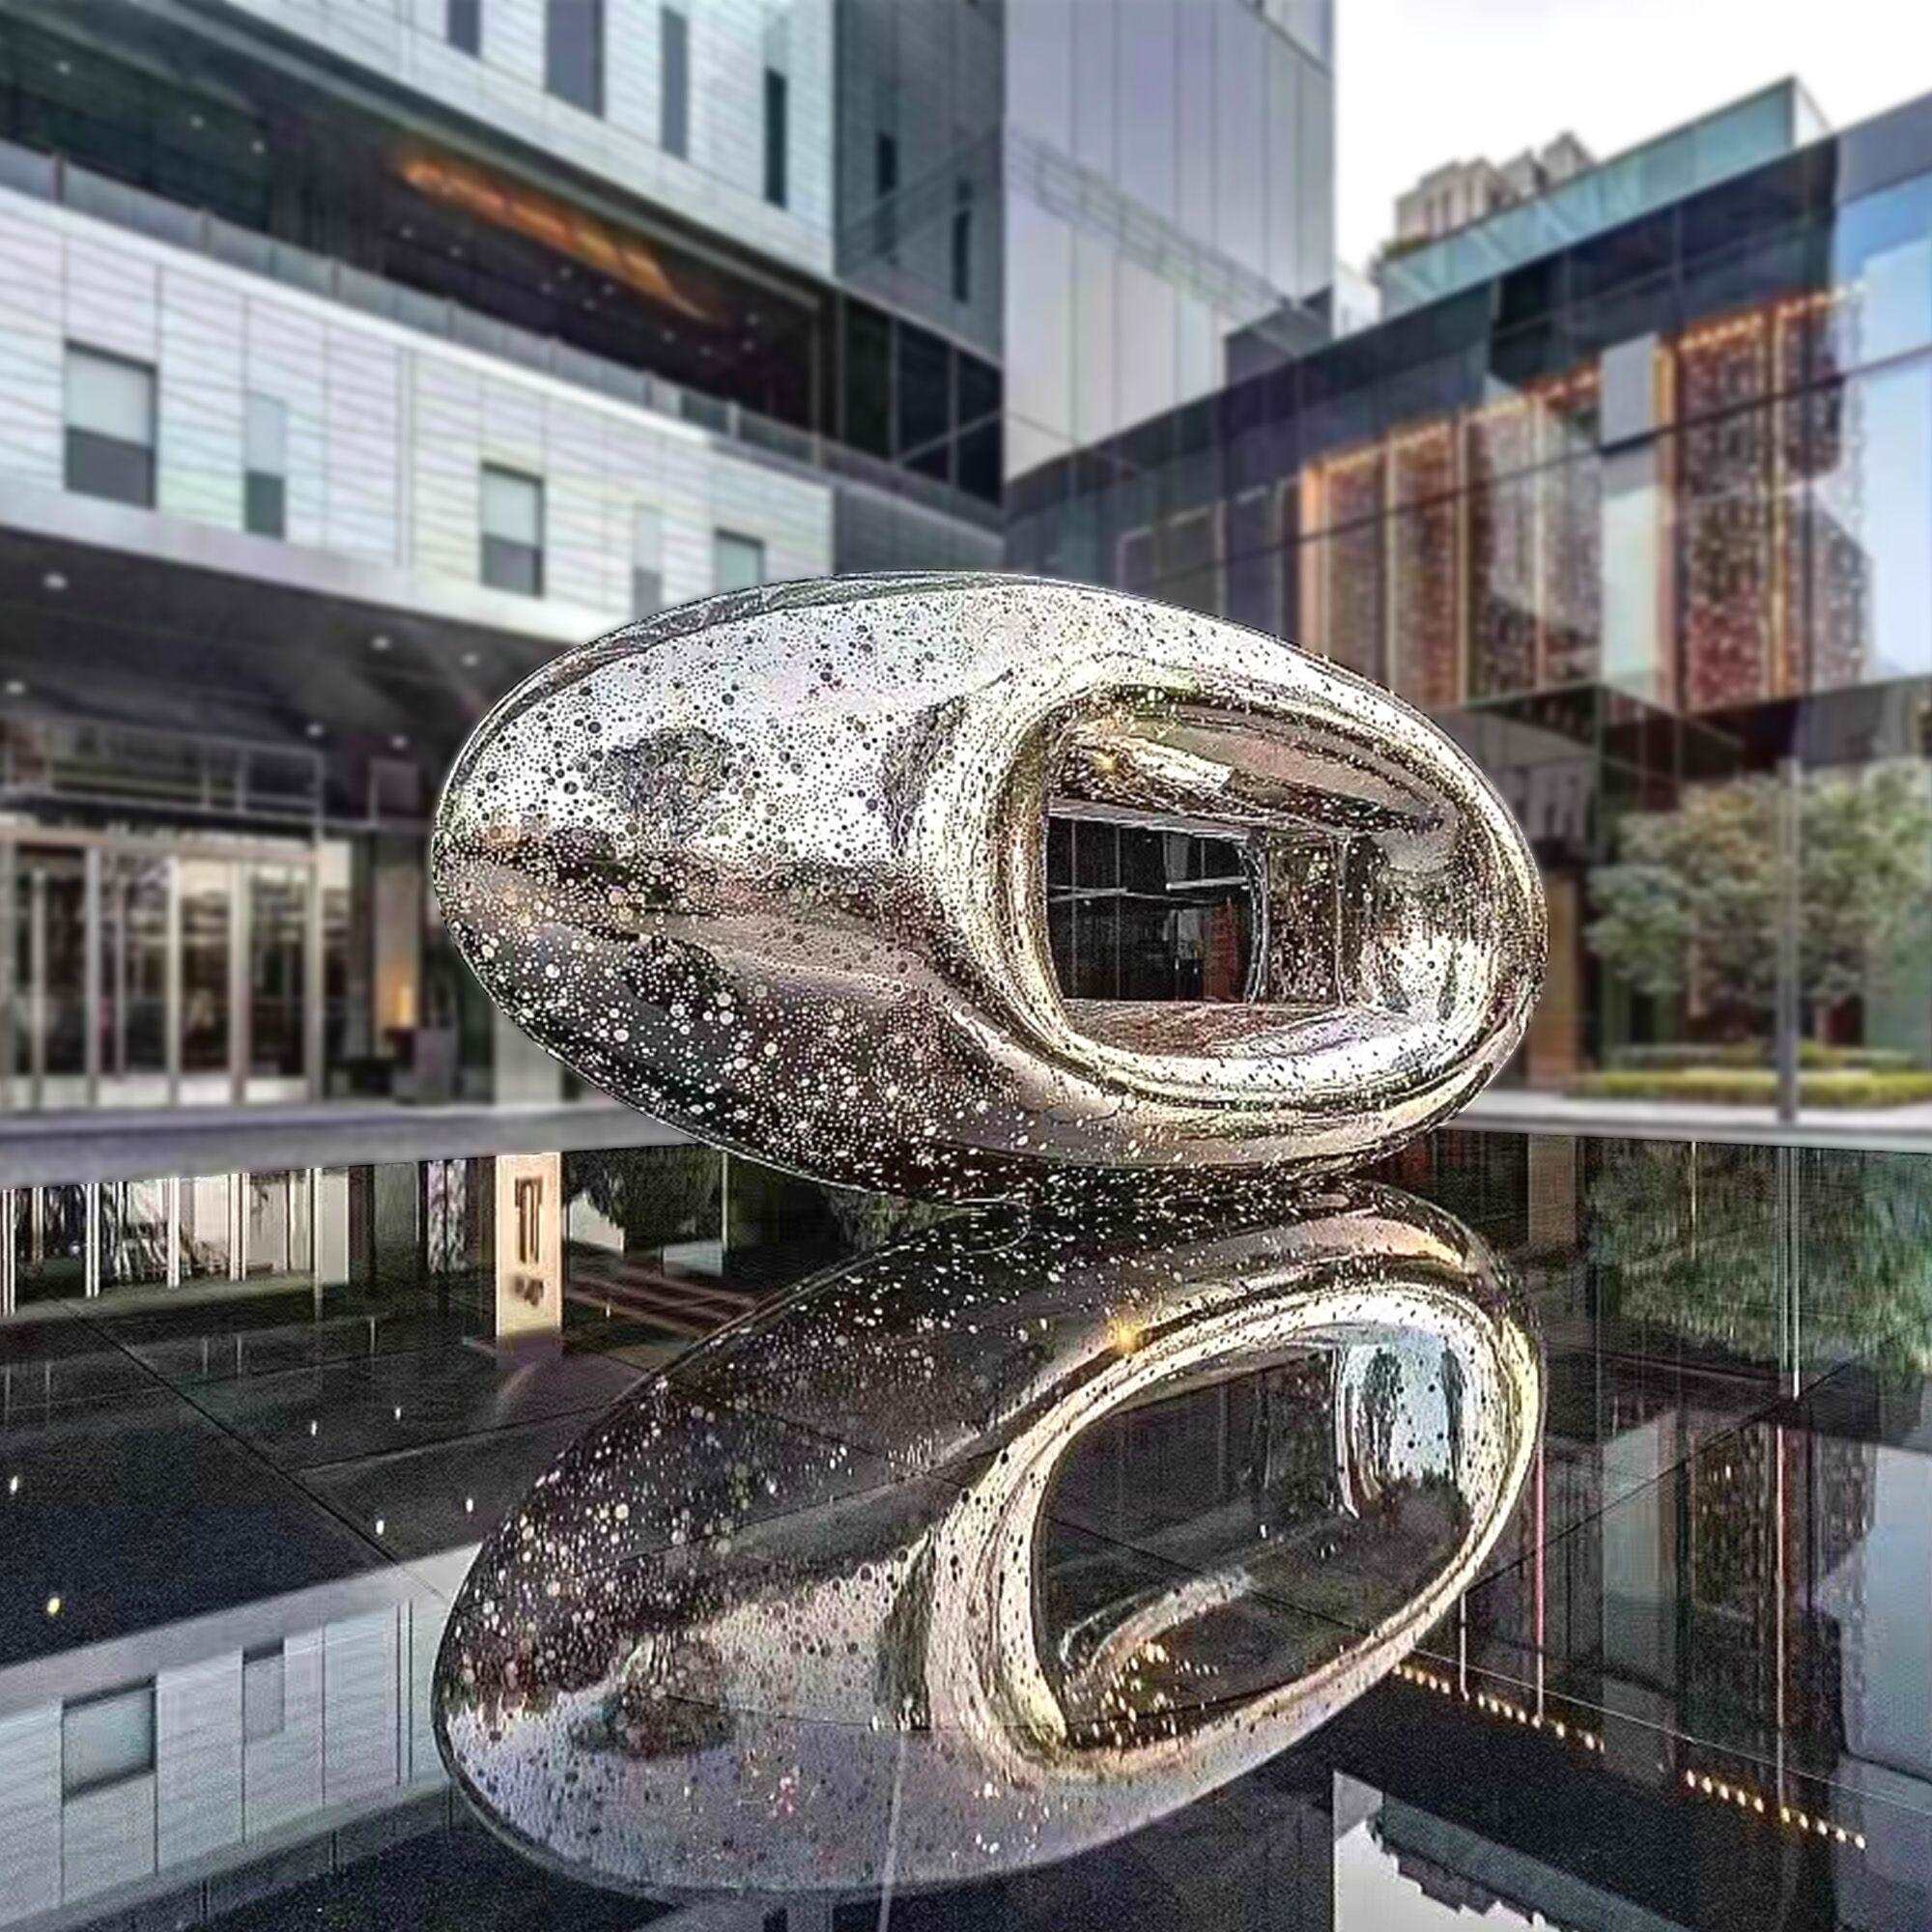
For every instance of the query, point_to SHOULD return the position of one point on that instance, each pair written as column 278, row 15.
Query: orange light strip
column 567, row 231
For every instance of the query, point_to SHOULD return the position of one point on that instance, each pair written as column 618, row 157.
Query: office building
column 355, row 360
column 1643, row 508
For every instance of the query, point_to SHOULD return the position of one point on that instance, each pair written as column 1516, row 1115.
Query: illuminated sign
column 529, row 1243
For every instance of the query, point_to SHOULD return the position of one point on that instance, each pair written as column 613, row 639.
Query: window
column 775, row 137
column 673, row 82
column 737, row 563
column 647, row 564
column 574, row 53
column 463, row 26
column 106, row 1738
column 962, row 242
column 262, row 1692
column 266, row 486
column 512, row 531
column 110, row 426
column 886, row 184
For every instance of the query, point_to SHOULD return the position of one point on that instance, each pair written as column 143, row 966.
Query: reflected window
column 574, row 53
column 512, row 531
column 110, row 426
column 647, row 564
column 265, row 486
column 1135, row 913
column 463, row 26
column 106, row 1738
column 673, row 82
column 262, row 1692
column 737, row 562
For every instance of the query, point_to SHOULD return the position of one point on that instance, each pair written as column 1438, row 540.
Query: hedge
column 1682, row 1056
column 1754, row 1087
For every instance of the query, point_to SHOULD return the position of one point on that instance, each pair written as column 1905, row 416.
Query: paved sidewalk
column 138, row 1144
column 1520, row 1110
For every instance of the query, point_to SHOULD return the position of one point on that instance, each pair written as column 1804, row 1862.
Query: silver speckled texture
column 824, row 1605
column 770, row 867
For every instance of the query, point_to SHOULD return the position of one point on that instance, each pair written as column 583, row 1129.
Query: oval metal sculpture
column 830, row 1601
column 771, row 866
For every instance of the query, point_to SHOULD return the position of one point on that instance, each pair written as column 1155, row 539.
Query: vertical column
column 241, row 1027
column 90, row 1260
column 9, row 1207
column 171, row 995
column 37, row 983
column 8, row 989
column 313, row 990
column 174, row 1230
column 90, row 972
column 124, row 895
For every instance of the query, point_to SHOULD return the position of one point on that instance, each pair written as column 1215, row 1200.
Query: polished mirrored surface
column 1685, row 1682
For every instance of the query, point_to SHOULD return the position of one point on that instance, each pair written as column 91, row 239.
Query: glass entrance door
column 148, row 972
column 136, row 1022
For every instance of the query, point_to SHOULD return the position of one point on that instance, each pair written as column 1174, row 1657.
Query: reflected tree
column 1685, row 1234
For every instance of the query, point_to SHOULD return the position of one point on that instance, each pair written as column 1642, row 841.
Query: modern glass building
column 1645, row 521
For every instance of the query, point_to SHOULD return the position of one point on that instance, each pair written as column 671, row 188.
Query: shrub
column 1688, row 1055
column 1758, row 1087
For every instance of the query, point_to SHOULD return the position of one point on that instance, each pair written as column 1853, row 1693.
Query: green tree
column 1695, row 894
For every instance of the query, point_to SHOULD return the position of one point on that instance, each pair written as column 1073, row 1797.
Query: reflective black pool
column 1303, row 1603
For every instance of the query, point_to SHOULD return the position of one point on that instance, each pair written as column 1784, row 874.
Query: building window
column 264, row 504
column 463, row 26
column 775, row 137
column 574, row 53
column 513, row 514
column 737, row 563
column 263, row 1707
column 673, row 82
column 106, row 1738
column 647, row 565
column 110, row 426
column 962, row 242
column 886, row 184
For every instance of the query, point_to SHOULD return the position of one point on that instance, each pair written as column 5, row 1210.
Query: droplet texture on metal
column 838, row 1598
column 770, row 867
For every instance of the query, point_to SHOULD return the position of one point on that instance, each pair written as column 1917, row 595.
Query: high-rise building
column 1106, row 192
column 1460, row 192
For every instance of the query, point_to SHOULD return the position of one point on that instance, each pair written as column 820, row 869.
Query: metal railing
column 55, row 179
column 76, row 761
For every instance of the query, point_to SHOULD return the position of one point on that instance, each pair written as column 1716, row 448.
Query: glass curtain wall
column 1647, row 525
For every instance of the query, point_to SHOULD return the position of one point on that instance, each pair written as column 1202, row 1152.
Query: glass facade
column 268, row 168
column 1646, row 523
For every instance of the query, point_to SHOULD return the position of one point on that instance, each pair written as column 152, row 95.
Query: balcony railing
column 58, row 760
column 52, row 177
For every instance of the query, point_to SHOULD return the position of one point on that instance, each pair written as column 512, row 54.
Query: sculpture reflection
column 877, row 1583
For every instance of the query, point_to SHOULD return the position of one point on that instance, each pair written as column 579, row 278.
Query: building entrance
column 158, row 969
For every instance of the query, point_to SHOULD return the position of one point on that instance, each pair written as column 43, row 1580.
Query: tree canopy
column 1693, row 896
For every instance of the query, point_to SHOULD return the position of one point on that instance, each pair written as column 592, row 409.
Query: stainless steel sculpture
column 818, row 1607
column 770, row 867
